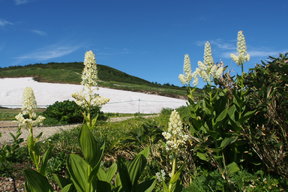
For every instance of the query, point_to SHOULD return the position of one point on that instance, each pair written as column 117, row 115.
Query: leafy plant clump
column 68, row 112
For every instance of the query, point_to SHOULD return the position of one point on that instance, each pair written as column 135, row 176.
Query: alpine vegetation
column 242, row 56
column 176, row 139
column 207, row 69
column 27, row 118
column 87, row 98
column 188, row 75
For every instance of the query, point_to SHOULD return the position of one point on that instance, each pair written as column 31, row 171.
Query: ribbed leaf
column 92, row 151
column 136, row 167
column 69, row 188
column 232, row 168
column 45, row 159
column 35, row 182
column 109, row 174
column 79, row 171
column 202, row 156
column 124, row 175
column 227, row 141
column 61, row 181
column 146, row 186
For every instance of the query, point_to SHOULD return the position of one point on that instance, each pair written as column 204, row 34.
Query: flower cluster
column 27, row 117
column 188, row 75
column 87, row 97
column 175, row 136
column 89, row 74
column 161, row 175
column 208, row 70
column 243, row 56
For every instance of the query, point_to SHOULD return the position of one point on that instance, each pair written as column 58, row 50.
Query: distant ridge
column 108, row 77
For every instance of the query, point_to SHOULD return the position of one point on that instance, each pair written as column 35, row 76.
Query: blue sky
column 145, row 38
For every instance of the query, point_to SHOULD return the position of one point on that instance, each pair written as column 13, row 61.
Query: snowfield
column 11, row 91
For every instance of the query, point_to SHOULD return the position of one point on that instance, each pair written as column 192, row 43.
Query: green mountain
column 108, row 77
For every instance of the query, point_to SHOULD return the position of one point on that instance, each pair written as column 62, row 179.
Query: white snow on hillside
column 11, row 91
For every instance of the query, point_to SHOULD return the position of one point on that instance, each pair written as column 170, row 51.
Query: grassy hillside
column 108, row 76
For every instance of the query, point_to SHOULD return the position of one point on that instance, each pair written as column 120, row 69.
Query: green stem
column 172, row 174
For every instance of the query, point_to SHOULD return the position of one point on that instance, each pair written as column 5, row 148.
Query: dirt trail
column 7, row 127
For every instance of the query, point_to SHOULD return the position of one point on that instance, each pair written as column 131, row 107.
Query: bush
column 67, row 112
column 268, row 86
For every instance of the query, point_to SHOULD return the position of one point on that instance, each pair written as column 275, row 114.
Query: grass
column 108, row 77
column 7, row 114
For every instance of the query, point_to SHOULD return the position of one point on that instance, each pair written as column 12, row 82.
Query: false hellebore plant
column 242, row 56
column 175, row 142
column 87, row 98
column 28, row 119
column 207, row 69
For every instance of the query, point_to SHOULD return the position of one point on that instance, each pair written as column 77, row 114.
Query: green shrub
column 67, row 112
column 268, row 95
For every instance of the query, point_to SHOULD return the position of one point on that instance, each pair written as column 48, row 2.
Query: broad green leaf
column 231, row 112
column 93, row 175
column 145, row 152
column 202, row 156
column 61, row 181
column 79, row 171
column 175, row 182
column 124, row 175
column 136, row 167
column 227, row 141
column 232, row 168
column 246, row 116
column 45, row 159
column 35, row 182
column 68, row 188
column 146, row 186
column 91, row 149
column 107, row 175
column 221, row 116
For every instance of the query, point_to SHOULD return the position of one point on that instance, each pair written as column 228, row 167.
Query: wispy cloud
column 39, row 32
column 219, row 43
column 258, row 53
column 4, row 22
column 110, row 51
column 20, row 2
column 49, row 53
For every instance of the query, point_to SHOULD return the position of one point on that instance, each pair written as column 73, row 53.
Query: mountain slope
column 108, row 77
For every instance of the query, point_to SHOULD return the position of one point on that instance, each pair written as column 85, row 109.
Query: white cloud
column 39, row 32
column 49, row 53
column 219, row 43
column 223, row 45
column 257, row 53
column 4, row 22
column 111, row 51
column 20, row 2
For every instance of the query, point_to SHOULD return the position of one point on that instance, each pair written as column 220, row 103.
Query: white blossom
column 161, row 175
column 188, row 75
column 27, row 117
column 89, row 74
column 87, row 97
column 242, row 56
column 207, row 69
column 175, row 136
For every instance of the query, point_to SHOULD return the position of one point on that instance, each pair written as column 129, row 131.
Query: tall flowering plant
column 207, row 69
column 242, row 55
column 28, row 119
column 176, row 139
column 87, row 98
